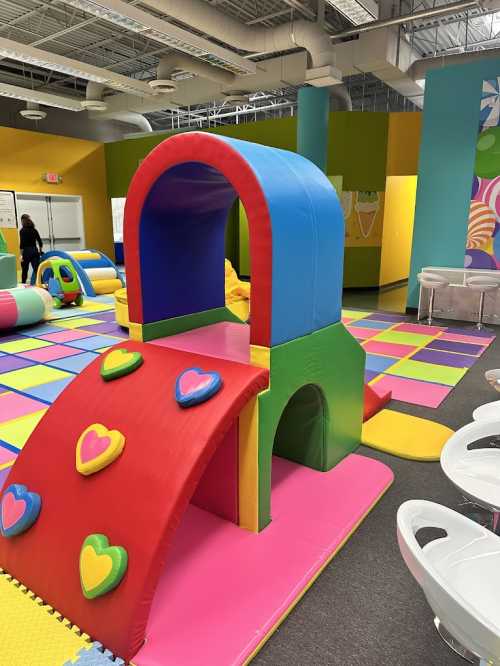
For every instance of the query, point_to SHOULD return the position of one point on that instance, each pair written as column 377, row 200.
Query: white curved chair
column 432, row 281
column 458, row 575
column 476, row 472
column 490, row 411
column 482, row 284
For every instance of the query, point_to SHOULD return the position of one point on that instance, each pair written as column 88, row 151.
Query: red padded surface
column 137, row 502
column 210, row 150
column 374, row 401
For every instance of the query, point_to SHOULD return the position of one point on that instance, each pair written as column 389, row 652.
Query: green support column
column 312, row 125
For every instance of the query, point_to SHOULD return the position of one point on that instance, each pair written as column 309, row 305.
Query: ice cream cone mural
column 367, row 207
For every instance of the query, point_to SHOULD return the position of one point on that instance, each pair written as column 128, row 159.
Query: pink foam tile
column 388, row 348
column 66, row 336
column 361, row 333
column 469, row 339
column 13, row 405
column 7, row 457
column 49, row 353
column 235, row 586
column 420, row 329
column 413, row 391
column 347, row 320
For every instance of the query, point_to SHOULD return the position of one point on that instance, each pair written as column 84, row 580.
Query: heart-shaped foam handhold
column 102, row 566
column 98, row 447
column 19, row 510
column 120, row 362
column 194, row 385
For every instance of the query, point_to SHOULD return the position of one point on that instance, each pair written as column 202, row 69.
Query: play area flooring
column 420, row 364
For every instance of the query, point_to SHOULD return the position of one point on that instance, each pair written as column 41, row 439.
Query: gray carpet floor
column 365, row 609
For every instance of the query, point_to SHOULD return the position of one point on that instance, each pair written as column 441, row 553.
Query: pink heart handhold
column 12, row 510
column 93, row 445
column 192, row 381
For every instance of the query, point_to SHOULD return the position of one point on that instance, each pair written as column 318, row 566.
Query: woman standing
column 30, row 239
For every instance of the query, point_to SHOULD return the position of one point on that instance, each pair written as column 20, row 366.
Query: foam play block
column 374, row 401
column 405, row 436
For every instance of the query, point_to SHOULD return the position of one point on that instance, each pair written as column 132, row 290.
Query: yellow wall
column 400, row 194
column 403, row 143
column 27, row 155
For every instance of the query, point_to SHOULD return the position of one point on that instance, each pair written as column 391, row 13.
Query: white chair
column 458, row 574
column 475, row 472
column 491, row 410
column 432, row 281
column 482, row 284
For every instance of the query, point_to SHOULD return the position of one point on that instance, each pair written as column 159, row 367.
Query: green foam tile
column 427, row 372
column 401, row 338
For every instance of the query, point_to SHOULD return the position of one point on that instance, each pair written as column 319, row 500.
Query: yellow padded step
column 405, row 436
column 32, row 633
column 85, row 256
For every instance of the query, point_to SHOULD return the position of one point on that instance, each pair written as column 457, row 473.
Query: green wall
column 447, row 152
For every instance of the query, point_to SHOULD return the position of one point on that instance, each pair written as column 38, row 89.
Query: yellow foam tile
column 31, row 376
column 405, row 436
column 96, row 307
column 102, row 349
column 355, row 314
column 76, row 322
column 30, row 635
column 23, row 345
column 17, row 432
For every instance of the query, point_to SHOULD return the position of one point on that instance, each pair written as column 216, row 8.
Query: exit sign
column 51, row 177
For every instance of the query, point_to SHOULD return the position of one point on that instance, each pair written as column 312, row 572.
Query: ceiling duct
column 94, row 97
column 136, row 20
column 81, row 70
column 180, row 62
column 254, row 39
column 129, row 117
column 32, row 112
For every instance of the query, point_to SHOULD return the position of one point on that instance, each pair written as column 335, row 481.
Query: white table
column 458, row 301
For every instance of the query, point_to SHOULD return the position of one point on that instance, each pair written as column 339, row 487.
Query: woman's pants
column 30, row 256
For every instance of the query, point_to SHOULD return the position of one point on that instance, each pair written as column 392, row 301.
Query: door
column 58, row 218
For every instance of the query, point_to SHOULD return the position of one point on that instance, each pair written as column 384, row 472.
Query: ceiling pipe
column 254, row 39
column 185, row 63
column 94, row 97
column 420, row 67
column 129, row 117
column 442, row 10
column 340, row 99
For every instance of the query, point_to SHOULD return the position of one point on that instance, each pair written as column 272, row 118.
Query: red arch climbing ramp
column 137, row 501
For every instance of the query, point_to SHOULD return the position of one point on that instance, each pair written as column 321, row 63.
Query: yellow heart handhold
column 120, row 362
column 98, row 447
column 94, row 568
column 117, row 358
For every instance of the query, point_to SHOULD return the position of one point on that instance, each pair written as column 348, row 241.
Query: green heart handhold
column 101, row 566
column 120, row 362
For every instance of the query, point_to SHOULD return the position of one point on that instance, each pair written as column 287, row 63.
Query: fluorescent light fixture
column 134, row 19
column 54, row 62
column 356, row 11
column 38, row 97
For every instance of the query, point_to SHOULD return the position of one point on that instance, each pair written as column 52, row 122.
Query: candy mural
column 483, row 237
column 364, row 216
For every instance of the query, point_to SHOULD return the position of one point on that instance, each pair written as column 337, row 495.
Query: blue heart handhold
column 195, row 385
column 19, row 510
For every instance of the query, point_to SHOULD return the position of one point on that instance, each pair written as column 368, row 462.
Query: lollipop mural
column 483, row 239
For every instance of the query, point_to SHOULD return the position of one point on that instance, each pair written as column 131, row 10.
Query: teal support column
column 312, row 124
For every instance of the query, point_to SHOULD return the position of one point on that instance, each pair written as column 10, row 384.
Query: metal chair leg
column 431, row 307
column 481, row 310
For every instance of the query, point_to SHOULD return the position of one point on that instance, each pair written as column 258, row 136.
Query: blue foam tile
column 369, row 375
column 49, row 392
column 377, row 363
column 95, row 655
column 41, row 329
column 368, row 323
column 74, row 363
column 94, row 342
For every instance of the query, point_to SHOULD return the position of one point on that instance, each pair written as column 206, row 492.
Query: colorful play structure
column 59, row 278
column 19, row 306
column 187, row 440
column 96, row 272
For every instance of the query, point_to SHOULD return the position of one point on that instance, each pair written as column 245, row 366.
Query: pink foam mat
column 414, row 391
column 388, row 348
column 226, row 340
column 225, row 589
